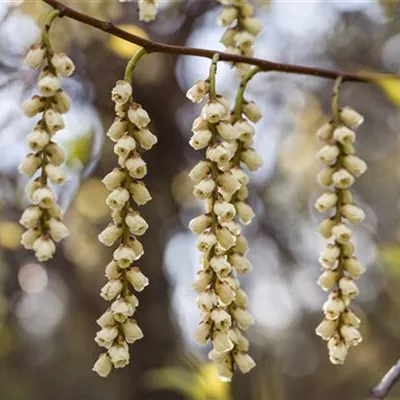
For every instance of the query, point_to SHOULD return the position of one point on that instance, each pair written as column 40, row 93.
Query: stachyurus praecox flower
column 340, row 266
column 222, row 184
column 118, row 327
column 43, row 219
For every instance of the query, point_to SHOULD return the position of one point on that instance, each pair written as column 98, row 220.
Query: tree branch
column 381, row 390
column 156, row 47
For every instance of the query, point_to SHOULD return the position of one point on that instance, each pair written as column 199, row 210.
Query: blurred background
column 48, row 311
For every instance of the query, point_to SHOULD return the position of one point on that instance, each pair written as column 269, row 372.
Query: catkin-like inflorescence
column 242, row 29
column 147, row 10
column 130, row 133
column 222, row 184
column 340, row 266
column 43, row 219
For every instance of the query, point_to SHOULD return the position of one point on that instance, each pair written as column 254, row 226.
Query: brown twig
column 383, row 388
column 156, row 47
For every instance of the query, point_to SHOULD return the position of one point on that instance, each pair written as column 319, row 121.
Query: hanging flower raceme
column 221, row 183
column 43, row 218
column 242, row 29
column 340, row 266
column 118, row 327
column 148, row 10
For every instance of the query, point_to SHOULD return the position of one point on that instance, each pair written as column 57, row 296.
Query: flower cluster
column 118, row 328
column 242, row 28
column 43, row 218
column 222, row 184
column 340, row 267
column 147, row 10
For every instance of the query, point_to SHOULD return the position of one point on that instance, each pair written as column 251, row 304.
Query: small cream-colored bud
column 326, row 328
column 138, row 116
column 117, row 198
column 348, row 149
column 214, row 111
column 325, row 227
column 110, row 235
column 44, row 197
column 48, row 85
column 55, row 153
column 44, row 248
column 344, row 135
column 330, row 254
column 137, row 279
column 202, row 280
column 53, row 120
column 243, row 318
column 251, row 159
column 29, row 237
column 351, row 335
column 227, row 38
column 347, row 197
column 355, row 165
column 227, row 131
column 200, row 171
column 137, row 167
column 353, row 267
column 229, row 182
column 243, row 361
column 219, row 154
column 103, row 365
column 352, row 213
column 328, row 154
column 252, row 111
column 145, row 138
column 253, row 25
column 328, row 279
column 114, row 179
column 206, row 241
column 226, row 293
column 326, row 201
column 117, row 129
column 225, row 369
column 106, row 319
column 220, row 266
column 227, row 16
column 147, row 10
column 207, row 300
column 111, row 289
column 200, row 139
column 333, row 307
column 241, row 245
column 124, row 256
column 245, row 130
column 244, row 40
column 58, row 231
column 35, row 56
column 202, row 333
column 197, row 92
column 106, row 336
column 241, row 264
column 324, row 177
column 137, row 225
column 348, row 287
column 122, row 309
column 241, row 298
column 324, row 133
column 200, row 224
column 33, row 106
column 119, row 355
column 351, row 118
column 124, row 146
column 225, row 238
column 204, row 189
column 30, row 165
column 221, row 342
column 342, row 179
column 224, row 210
column 61, row 102
column 132, row 331
column 244, row 212
column 337, row 351
column 112, row 270
column 31, row 216
column 140, row 193
column 55, row 173
column 38, row 139
column 221, row 319
column 120, row 110
column 121, row 92
column 63, row 64
column 350, row 319
column 342, row 233
column 200, row 124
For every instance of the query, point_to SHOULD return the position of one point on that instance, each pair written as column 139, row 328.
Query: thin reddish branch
column 383, row 388
column 156, row 47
